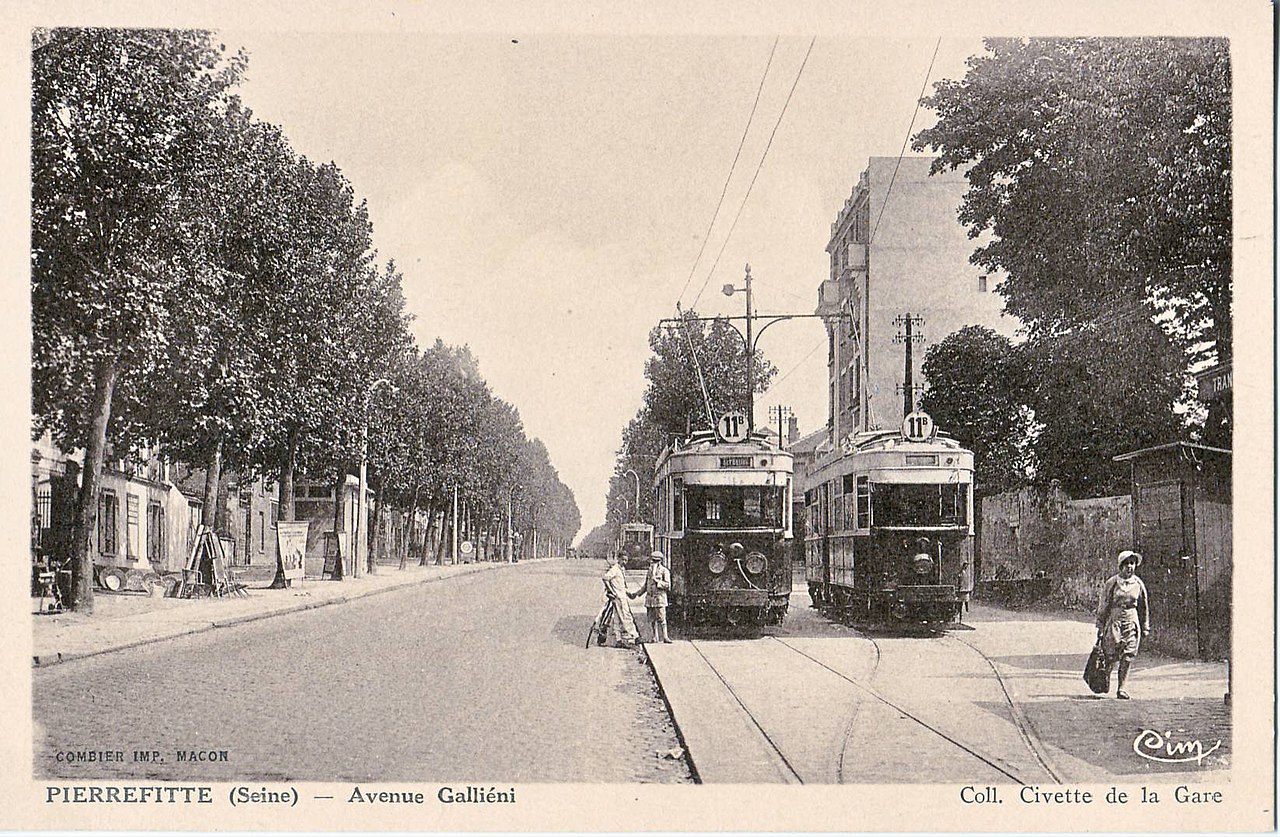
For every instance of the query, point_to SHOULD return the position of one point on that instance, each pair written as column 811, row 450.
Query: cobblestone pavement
column 482, row 677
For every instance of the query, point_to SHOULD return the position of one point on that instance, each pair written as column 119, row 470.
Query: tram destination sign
column 735, row 461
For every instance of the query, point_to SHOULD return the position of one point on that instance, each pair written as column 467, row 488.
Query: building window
column 108, row 518
column 262, row 532
column 275, row 513
column 157, row 554
column 982, row 284
column 133, row 526
column 44, row 511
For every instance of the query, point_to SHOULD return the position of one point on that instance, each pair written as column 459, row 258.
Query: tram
column 889, row 523
column 723, row 519
column 635, row 544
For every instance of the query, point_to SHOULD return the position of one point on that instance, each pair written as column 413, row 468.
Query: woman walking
column 1123, row 619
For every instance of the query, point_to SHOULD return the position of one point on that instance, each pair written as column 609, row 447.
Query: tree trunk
column 284, row 502
column 104, row 385
column 413, row 519
column 212, row 475
column 339, row 571
column 446, row 525
column 372, row 563
column 286, row 477
column 431, row 539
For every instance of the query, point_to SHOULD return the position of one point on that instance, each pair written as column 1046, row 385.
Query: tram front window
column 912, row 504
column 734, row 506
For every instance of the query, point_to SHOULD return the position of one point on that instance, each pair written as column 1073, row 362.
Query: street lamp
column 637, row 507
column 730, row 290
column 364, row 472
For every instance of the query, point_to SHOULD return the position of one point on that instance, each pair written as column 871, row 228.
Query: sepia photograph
column 551, row 422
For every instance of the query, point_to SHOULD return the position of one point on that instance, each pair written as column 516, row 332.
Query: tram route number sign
column 918, row 426
column 732, row 427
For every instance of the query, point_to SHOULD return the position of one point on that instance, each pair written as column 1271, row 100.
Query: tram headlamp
column 755, row 562
column 717, row 562
column 922, row 563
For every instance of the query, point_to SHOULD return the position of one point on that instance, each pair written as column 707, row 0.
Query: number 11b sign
column 732, row 427
column 917, row 426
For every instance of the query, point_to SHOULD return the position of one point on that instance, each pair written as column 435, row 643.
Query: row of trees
column 1100, row 174
column 686, row 357
column 198, row 285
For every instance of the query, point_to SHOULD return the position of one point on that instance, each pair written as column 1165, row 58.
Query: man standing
column 964, row 589
column 621, row 625
column 656, row 584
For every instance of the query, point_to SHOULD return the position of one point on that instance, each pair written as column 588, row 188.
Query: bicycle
column 600, row 627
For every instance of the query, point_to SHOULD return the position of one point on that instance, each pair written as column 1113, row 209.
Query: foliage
column 673, row 400
column 1103, row 168
column 979, row 392
column 198, row 284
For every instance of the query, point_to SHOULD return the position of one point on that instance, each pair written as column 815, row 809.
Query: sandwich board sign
column 291, row 540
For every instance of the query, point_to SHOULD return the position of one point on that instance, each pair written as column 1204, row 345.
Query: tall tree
column 1103, row 168
column 980, row 392
column 674, row 396
column 119, row 119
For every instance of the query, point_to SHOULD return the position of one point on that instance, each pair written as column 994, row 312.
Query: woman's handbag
column 1096, row 672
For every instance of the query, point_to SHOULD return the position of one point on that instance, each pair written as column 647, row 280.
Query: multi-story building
column 899, row 258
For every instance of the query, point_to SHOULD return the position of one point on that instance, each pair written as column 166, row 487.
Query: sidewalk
column 124, row 620
column 1040, row 657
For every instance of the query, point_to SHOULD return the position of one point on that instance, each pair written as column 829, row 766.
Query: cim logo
column 1165, row 747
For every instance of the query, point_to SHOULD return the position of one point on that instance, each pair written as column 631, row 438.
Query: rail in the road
column 840, row 710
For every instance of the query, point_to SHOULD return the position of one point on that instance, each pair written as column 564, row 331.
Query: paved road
column 481, row 678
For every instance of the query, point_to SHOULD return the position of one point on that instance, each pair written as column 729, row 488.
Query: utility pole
column 455, row 524
column 908, row 337
column 730, row 290
column 782, row 412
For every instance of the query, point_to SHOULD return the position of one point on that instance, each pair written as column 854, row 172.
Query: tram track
column 799, row 767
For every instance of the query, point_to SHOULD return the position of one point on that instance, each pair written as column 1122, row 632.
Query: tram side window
column 864, row 503
column 677, row 505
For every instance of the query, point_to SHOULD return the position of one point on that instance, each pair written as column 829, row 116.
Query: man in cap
column 657, row 582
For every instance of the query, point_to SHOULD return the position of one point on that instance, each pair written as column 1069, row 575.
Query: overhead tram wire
column 905, row 140
column 724, row 191
column 759, row 166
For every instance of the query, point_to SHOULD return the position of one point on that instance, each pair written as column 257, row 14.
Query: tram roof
column 705, row 446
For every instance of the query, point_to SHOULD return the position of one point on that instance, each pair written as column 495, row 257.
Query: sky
column 546, row 195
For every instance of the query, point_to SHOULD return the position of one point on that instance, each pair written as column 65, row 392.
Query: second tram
column 635, row 543
column 889, row 524
column 723, row 519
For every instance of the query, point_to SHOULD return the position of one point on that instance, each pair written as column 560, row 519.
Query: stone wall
column 1070, row 545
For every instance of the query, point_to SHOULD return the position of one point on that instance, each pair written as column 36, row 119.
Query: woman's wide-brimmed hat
column 1126, row 555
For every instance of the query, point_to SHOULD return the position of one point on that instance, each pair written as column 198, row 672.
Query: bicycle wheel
column 591, row 632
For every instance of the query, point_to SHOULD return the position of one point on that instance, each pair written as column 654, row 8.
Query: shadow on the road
column 572, row 629
column 1046, row 662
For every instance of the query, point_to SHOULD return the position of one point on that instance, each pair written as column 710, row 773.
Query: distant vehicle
column 889, row 521
column 635, row 544
column 723, row 519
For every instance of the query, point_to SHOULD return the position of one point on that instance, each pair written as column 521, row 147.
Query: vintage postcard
column 592, row 418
